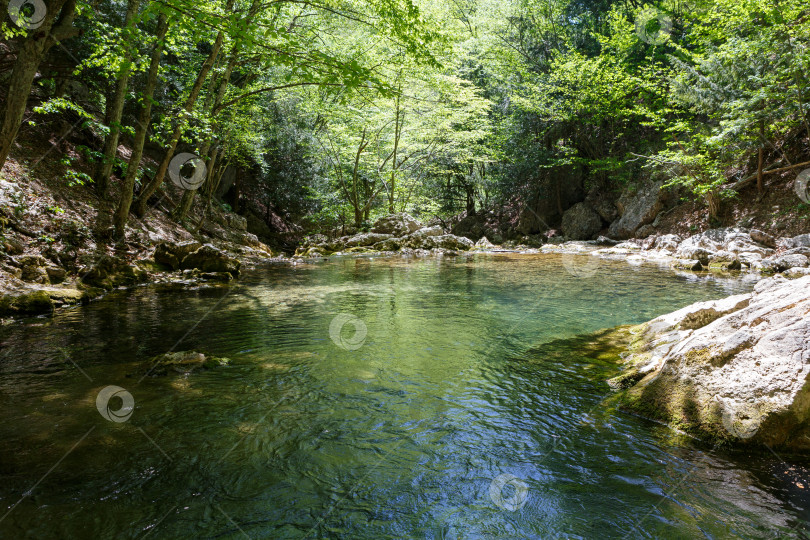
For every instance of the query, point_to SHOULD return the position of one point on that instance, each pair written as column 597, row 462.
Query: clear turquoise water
column 468, row 371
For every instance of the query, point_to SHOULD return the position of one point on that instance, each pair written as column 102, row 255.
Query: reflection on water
column 368, row 399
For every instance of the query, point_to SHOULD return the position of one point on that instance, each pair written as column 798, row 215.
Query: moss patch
column 34, row 302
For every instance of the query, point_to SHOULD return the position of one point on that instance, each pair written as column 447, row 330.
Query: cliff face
column 735, row 370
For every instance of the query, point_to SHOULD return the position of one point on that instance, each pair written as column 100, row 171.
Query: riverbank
column 36, row 285
column 732, row 249
column 57, row 248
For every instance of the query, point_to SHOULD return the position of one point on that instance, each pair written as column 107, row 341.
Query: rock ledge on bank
column 732, row 370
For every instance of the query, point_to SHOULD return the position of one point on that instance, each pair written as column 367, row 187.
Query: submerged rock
column 183, row 362
column 685, row 264
column 736, row 369
column 32, row 302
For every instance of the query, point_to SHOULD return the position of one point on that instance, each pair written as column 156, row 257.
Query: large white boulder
column 733, row 369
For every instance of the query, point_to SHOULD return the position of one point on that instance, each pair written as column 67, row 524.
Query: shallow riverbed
column 368, row 398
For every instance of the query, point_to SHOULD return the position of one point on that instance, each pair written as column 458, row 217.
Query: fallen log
column 745, row 181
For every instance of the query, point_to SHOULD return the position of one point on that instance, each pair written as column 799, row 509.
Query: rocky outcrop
column 366, row 239
column 236, row 222
column 258, row 226
column 210, row 260
column 407, row 234
column 400, row 224
column 638, row 209
column 484, row 243
column 484, row 223
column 800, row 241
column 730, row 247
column 727, row 249
column 472, row 227
column 195, row 256
column 171, row 254
column 442, row 242
column 107, row 272
column 603, row 202
column 735, row 370
column 581, row 222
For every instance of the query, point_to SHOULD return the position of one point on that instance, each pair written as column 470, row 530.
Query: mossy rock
column 183, row 362
column 725, row 266
column 35, row 302
column 359, row 249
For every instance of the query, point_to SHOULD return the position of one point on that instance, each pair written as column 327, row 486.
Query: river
column 368, row 398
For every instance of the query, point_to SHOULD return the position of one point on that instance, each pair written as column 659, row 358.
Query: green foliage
column 75, row 178
column 342, row 111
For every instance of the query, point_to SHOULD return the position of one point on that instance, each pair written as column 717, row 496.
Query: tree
column 115, row 105
column 141, row 127
column 38, row 37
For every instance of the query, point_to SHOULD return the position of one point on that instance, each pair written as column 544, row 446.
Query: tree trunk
column 116, row 108
column 355, row 200
column 154, row 184
column 560, row 210
column 210, row 183
column 394, row 166
column 141, row 129
column 469, row 189
column 57, row 25
column 760, row 174
column 188, row 195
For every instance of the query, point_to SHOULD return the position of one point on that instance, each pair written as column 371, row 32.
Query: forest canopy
column 339, row 111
